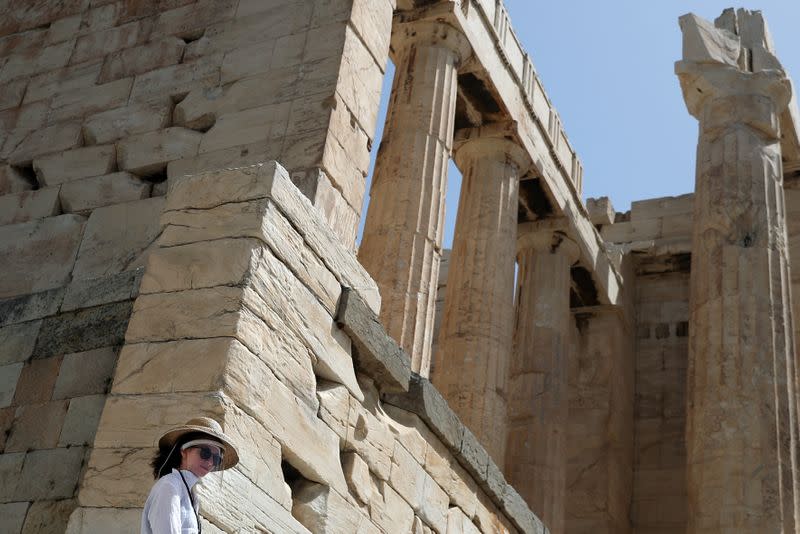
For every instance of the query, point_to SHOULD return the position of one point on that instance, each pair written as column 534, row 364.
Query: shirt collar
column 190, row 478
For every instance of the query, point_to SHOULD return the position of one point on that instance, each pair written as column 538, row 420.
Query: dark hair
column 168, row 458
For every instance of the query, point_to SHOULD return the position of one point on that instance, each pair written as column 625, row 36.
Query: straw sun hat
column 207, row 426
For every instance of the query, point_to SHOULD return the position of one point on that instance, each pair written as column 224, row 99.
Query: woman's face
column 192, row 459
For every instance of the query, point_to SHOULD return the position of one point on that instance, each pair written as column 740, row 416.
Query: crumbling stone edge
column 378, row 355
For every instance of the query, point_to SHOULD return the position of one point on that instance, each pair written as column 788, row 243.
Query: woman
column 185, row 455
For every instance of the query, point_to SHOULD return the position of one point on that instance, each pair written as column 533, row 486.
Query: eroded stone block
column 126, row 121
column 38, row 255
column 88, row 292
column 82, row 330
column 149, row 153
column 12, row 516
column 43, row 141
column 9, row 376
column 75, row 164
column 48, row 516
column 119, row 187
column 37, row 426
column 140, row 59
column 81, row 420
column 85, row 373
column 29, row 205
column 17, row 341
column 117, row 238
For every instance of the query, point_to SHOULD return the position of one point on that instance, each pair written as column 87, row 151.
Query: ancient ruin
column 181, row 185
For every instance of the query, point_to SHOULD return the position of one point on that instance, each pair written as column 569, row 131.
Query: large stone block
column 374, row 351
column 30, row 307
column 100, row 43
column 190, row 21
column 90, row 520
column 22, row 150
column 85, row 373
column 48, row 517
column 37, row 380
column 42, row 60
column 126, row 121
column 271, row 180
column 459, row 523
column 78, row 103
column 48, row 474
column 75, row 164
column 80, row 423
column 137, row 60
column 85, row 195
column 119, row 478
column 149, row 153
column 12, row 516
column 322, row 510
column 419, row 489
column 37, row 426
column 259, row 124
column 117, row 238
column 88, row 292
column 29, row 205
column 49, row 84
column 391, row 512
column 38, row 255
column 82, row 330
column 177, row 80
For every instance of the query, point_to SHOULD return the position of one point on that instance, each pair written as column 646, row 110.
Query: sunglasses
column 208, row 454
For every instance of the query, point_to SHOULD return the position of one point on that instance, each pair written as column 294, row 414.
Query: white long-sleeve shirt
column 168, row 509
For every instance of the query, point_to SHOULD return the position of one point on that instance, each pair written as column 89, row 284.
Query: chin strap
column 191, row 500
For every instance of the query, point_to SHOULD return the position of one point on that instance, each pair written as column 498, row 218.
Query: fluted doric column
column 476, row 334
column 742, row 429
column 402, row 241
column 536, row 459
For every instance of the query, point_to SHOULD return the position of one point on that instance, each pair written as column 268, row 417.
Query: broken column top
column 738, row 46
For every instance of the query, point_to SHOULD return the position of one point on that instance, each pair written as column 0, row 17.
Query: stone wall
column 334, row 432
column 102, row 105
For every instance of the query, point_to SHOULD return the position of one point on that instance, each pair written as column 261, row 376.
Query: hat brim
column 230, row 456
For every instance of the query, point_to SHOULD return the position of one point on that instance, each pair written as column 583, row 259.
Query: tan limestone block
column 389, row 511
column 78, row 103
column 75, row 164
column 459, row 523
column 118, row 237
column 601, row 212
column 271, row 180
column 80, row 196
column 88, row 520
column 356, row 472
column 453, row 479
column 419, row 489
column 29, row 205
column 150, row 152
column 190, row 20
column 176, row 81
column 63, row 29
column 252, row 125
column 247, row 61
column 334, row 409
column 9, row 376
column 49, row 84
column 320, row 509
column 48, row 516
column 36, row 426
column 140, row 59
column 126, row 121
column 44, row 59
column 234, row 502
column 55, row 138
column 368, row 434
column 226, row 158
column 119, row 478
column 100, row 43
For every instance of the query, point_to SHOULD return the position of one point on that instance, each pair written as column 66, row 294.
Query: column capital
column 548, row 237
column 496, row 140
column 723, row 81
column 407, row 32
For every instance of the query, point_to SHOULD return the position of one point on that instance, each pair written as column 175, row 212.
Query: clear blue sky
column 608, row 69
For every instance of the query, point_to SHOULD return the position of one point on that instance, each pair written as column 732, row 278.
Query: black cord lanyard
column 191, row 500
